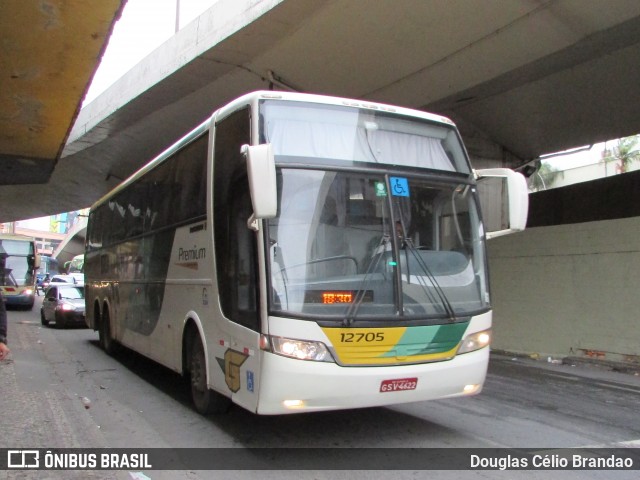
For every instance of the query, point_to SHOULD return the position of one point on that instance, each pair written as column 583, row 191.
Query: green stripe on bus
column 428, row 339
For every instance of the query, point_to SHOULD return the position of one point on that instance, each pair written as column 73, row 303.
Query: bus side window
column 242, row 257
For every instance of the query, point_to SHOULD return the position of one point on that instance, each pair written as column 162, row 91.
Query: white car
column 62, row 279
column 78, row 278
column 63, row 304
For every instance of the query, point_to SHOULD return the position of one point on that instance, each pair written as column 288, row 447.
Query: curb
column 610, row 365
column 621, row 367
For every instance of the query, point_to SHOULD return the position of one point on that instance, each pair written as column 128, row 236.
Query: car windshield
column 71, row 293
column 375, row 246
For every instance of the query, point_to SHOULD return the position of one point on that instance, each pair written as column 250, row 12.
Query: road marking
column 626, row 389
column 564, row 377
column 601, row 384
column 625, row 444
column 630, row 443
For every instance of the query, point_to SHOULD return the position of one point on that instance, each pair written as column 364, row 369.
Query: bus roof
column 252, row 97
column 256, row 96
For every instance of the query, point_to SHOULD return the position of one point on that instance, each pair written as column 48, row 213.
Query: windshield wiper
column 379, row 252
column 276, row 255
column 427, row 272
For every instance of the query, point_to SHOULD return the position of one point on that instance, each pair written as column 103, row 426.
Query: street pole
column 177, row 16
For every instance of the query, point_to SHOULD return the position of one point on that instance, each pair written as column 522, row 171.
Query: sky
column 583, row 156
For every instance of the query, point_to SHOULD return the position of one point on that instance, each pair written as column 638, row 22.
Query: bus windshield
column 309, row 133
column 348, row 245
column 16, row 262
column 76, row 265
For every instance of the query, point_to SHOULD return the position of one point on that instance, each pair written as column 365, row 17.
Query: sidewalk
column 41, row 390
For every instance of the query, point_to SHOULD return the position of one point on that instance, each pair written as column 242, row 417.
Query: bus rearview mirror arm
column 261, row 173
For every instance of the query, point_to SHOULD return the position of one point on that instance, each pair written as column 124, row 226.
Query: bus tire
column 107, row 342
column 204, row 399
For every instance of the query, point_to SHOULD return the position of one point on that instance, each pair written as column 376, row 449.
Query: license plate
column 399, row 384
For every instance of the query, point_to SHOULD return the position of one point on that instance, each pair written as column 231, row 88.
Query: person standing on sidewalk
column 4, row 350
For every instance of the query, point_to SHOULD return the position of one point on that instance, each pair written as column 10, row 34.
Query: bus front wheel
column 205, row 400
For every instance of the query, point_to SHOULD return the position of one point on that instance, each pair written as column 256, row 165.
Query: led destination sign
column 329, row 297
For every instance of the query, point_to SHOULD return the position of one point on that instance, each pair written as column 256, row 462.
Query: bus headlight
column 299, row 349
column 475, row 341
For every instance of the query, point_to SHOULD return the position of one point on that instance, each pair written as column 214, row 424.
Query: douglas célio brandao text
column 551, row 462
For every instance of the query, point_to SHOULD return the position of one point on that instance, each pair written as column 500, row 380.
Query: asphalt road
column 135, row 403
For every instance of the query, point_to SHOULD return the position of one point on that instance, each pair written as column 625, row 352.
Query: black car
column 64, row 305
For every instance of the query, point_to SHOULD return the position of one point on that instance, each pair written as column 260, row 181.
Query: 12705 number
column 362, row 337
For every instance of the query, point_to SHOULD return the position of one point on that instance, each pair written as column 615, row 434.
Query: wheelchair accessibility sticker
column 399, row 186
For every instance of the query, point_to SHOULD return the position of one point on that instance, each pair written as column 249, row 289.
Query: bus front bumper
column 294, row 386
column 15, row 296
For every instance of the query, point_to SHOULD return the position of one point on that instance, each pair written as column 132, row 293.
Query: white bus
column 18, row 264
column 300, row 253
column 75, row 265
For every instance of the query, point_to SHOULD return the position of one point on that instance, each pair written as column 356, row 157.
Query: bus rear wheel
column 205, row 400
column 107, row 342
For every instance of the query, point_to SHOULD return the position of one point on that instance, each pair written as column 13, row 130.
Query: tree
column 544, row 177
column 624, row 153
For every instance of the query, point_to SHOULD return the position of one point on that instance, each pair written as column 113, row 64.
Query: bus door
column 243, row 368
column 237, row 352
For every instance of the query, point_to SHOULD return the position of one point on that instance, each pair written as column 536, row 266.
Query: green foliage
column 624, row 153
column 544, row 177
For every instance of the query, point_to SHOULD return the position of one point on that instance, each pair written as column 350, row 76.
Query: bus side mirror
column 38, row 261
column 504, row 199
column 261, row 171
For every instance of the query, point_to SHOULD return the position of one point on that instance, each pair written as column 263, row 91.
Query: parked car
column 78, row 278
column 63, row 304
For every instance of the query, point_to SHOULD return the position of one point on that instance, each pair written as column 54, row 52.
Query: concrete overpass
column 520, row 77
column 48, row 53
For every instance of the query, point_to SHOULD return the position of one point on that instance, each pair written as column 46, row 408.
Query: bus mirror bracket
column 516, row 194
column 261, row 172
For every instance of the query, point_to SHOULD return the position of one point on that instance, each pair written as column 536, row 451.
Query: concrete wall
column 568, row 290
